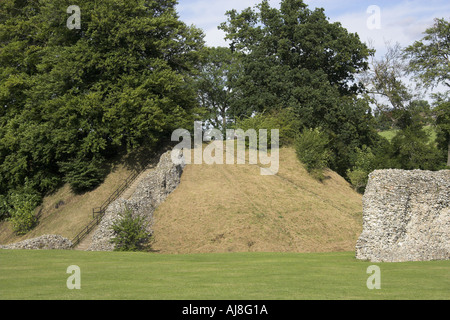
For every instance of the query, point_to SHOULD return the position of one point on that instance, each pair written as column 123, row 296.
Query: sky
column 399, row 21
column 376, row 22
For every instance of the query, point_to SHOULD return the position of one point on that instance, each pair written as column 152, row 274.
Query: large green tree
column 295, row 58
column 429, row 58
column 214, row 83
column 429, row 62
column 71, row 98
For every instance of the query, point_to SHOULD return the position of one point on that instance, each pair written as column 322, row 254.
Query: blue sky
column 401, row 21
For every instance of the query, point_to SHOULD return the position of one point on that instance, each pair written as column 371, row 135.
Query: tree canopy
column 71, row 98
column 293, row 56
column 429, row 58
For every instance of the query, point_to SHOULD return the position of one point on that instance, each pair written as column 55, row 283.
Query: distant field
column 254, row 276
column 389, row 134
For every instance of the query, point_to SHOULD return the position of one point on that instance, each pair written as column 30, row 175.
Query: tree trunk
column 224, row 121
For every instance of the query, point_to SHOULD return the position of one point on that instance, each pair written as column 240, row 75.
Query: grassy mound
column 232, row 208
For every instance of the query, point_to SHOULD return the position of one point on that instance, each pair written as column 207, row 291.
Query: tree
column 364, row 165
column 412, row 149
column 21, row 204
column 386, row 87
column 131, row 231
column 442, row 112
column 293, row 57
column 429, row 62
column 73, row 98
column 284, row 120
column 311, row 147
column 384, row 80
column 214, row 84
column 429, row 58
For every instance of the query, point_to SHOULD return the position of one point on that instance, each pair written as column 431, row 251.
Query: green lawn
column 42, row 274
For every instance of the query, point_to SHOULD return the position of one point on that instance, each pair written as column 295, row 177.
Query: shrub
column 131, row 232
column 4, row 207
column 284, row 120
column 21, row 215
column 312, row 151
column 364, row 165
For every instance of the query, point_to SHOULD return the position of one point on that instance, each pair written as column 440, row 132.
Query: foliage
column 311, row 148
column 71, row 99
column 131, row 232
column 442, row 114
column 351, row 126
column 284, row 120
column 83, row 175
column 292, row 57
column 214, row 84
column 428, row 58
column 384, row 81
column 412, row 149
column 429, row 63
column 5, row 208
column 22, row 215
column 364, row 165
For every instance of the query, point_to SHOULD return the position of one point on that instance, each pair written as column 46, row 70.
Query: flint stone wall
column 151, row 191
column 406, row 216
column 45, row 242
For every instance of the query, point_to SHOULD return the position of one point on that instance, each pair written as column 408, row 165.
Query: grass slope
column 226, row 208
column 232, row 208
column 74, row 214
column 42, row 274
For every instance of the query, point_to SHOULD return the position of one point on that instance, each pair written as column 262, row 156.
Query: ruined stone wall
column 45, row 242
column 406, row 216
column 151, row 191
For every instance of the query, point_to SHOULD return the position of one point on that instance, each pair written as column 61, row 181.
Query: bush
column 312, row 151
column 21, row 215
column 284, row 120
column 131, row 232
column 5, row 208
column 364, row 165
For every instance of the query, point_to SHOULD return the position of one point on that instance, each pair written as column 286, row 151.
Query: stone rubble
column 45, row 242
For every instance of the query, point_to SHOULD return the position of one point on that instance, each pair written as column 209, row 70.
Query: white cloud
column 215, row 38
column 403, row 22
column 208, row 15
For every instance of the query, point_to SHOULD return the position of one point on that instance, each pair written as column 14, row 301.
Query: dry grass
column 232, row 208
column 73, row 212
